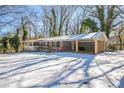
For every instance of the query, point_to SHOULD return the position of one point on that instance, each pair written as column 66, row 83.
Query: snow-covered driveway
column 62, row 69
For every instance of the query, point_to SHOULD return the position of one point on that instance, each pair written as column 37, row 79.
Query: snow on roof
column 90, row 36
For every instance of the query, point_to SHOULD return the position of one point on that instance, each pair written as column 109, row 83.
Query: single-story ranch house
column 91, row 43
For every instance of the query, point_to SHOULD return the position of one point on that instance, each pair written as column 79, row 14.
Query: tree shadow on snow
column 121, row 85
column 81, row 61
column 80, row 64
column 85, row 66
column 22, row 66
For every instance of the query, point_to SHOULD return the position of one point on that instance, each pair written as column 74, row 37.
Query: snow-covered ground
column 62, row 69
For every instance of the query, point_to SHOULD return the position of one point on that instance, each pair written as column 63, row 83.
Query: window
column 45, row 43
column 55, row 44
column 36, row 43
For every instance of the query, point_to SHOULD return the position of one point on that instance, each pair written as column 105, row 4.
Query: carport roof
column 91, row 36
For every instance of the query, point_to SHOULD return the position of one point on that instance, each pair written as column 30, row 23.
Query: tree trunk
column 4, row 50
column 16, row 50
column 120, row 40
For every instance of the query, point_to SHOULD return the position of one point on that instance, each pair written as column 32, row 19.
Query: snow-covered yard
column 62, row 69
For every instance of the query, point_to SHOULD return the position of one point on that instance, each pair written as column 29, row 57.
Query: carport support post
column 32, row 43
column 96, row 47
column 105, row 43
column 73, row 43
column 76, row 46
column 40, row 47
column 61, row 44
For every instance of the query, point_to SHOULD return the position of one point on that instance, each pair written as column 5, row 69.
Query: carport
column 92, row 43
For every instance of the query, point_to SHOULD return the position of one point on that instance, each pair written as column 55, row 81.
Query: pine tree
column 4, row 42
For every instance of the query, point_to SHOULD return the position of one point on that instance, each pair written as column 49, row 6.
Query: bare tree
column 59, row 17
column 44, row 28
column 120, row 31
column 34, row 24
column 80, row 14
column 7, row 14
column 106, row 17
column 66, row 13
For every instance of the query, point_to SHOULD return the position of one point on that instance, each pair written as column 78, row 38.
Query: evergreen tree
column 15, row 42
column 4, row 42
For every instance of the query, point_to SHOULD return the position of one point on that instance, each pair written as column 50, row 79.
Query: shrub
column 112, row 48
column 49, row 49
column 82, row 48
